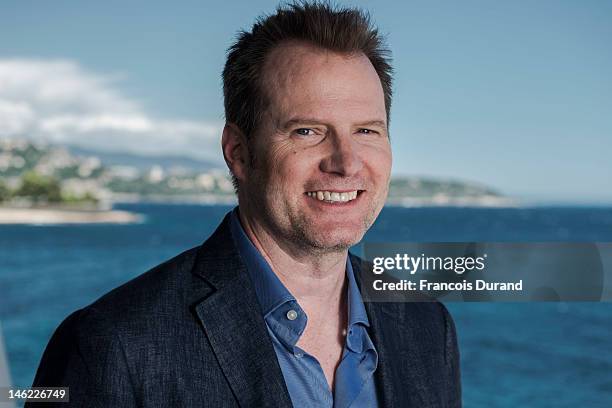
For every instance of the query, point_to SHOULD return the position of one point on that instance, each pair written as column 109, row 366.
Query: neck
column 312, row 277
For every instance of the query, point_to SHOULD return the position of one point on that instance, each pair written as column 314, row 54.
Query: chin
column 337, row 242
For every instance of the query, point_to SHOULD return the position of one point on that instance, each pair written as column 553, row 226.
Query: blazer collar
column 232, row 320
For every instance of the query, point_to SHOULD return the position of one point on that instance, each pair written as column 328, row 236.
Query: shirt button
column 292, row 315
column 299, row 355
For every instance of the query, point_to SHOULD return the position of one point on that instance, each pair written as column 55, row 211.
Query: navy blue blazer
column 190, row 333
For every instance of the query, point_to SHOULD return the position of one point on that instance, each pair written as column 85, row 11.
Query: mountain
column 146, row 162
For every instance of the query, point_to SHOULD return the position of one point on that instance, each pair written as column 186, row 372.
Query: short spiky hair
column 344, row 30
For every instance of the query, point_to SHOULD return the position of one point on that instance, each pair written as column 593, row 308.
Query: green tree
column 5, row 193
column 39, row 188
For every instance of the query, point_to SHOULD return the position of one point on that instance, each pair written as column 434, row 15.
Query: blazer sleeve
column 85, row 354
column 451, row 357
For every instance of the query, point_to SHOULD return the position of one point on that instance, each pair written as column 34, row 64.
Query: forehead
column 304, row 79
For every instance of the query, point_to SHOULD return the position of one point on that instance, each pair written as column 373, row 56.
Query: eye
column 365, row 131
column 304, row 132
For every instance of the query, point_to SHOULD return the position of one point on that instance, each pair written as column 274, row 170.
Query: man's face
column 322, row 157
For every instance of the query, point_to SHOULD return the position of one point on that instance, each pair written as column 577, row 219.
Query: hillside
column 35, row 173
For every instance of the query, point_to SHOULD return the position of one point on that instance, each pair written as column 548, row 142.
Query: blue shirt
column 286, row 321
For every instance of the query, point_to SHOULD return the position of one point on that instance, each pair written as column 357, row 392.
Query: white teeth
column 333, row 196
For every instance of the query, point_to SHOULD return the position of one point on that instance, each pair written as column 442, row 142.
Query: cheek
column 380, row 160
column 289, row 170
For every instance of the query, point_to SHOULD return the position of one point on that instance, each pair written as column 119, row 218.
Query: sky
column 514, row 95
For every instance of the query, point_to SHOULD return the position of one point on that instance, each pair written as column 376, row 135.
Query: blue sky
column 516, row 95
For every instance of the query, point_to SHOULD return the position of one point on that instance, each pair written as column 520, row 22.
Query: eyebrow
column 296, row 121
column 380, row 123
column 312, row 121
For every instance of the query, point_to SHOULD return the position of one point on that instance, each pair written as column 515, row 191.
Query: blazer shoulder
column 161, row 288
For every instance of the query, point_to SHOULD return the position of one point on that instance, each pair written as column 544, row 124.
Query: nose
column 344, row 158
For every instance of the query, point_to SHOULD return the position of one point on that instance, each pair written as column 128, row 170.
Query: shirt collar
column 356, row 309
column 271, row 292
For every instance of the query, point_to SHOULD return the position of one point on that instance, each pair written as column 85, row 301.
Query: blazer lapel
column 231, row 318
column 384, row 374
column 398, row 379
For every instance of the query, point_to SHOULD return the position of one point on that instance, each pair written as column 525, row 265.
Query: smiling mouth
column 334, row 196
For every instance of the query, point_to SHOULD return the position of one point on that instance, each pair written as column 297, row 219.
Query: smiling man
column 268, row 311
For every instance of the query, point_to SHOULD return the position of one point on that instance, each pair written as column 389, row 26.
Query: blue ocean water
column 531, row 354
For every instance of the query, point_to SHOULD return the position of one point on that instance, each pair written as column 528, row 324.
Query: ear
column 235, row 150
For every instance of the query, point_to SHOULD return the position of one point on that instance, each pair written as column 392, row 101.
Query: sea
column 512, row 354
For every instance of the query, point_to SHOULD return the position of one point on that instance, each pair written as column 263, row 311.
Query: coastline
column 11, row 215
column 441, row 200
column 407, row 202
column 52, row 216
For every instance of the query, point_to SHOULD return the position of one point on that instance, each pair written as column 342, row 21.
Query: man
column 268, row 312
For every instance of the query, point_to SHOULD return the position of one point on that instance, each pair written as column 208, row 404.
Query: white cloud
column 60, row 101
column 15, row 117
